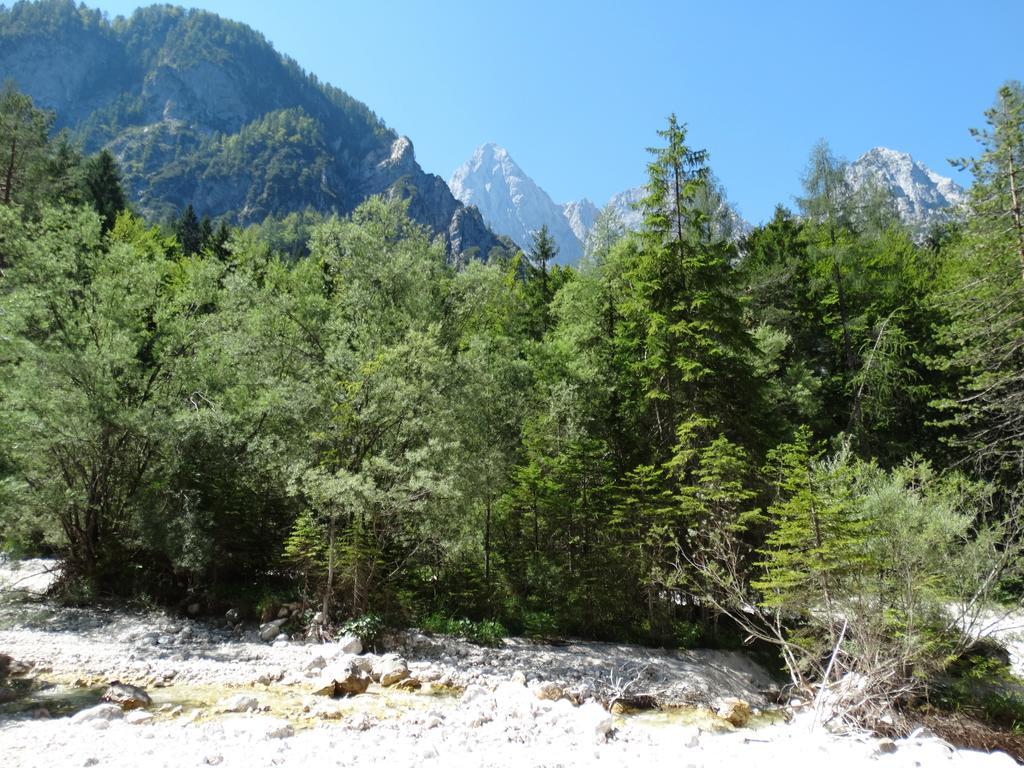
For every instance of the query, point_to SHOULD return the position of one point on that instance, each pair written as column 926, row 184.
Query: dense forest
column 813, row 437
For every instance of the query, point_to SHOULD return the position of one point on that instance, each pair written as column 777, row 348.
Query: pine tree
column 682, row 333
column 543, row 251
column 189, row 232
column 984, row 299
column 24, row 134
column 998, row 193
column 103, row 185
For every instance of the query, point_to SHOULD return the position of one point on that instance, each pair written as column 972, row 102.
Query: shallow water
column 58, row 699
column 703, row 718
column 63, row 698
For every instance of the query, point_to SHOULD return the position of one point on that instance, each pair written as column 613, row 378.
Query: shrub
column 368, row 628
column 486, row 632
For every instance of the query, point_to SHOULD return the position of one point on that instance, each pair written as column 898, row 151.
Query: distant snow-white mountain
column 513, row 204
column 922, row 197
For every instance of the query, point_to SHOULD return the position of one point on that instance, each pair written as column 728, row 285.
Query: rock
column 271, row 629
column 547, row 691
column 138, row 717
column 390, row 669
column 366, row 662
column 240, row 702
column 266, row 678
column 518, row 677
column 280, row 730
column 318, row 618
column 233, row 616
column 885, row 747
column 345, row 679
column 316, row 664
column 733, row 710
column 101, row 712
column 349, row 643
column 283, row 612
column 409, row 684
column 127, row 696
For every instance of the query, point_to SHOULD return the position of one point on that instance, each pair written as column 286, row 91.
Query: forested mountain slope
column 198, row 109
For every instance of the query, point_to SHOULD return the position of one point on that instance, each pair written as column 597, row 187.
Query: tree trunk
column 331, row 531
column 1016, row 213
column 9, row 174
column 487, row 543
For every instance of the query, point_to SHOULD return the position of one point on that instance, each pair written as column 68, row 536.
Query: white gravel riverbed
column 468, row 713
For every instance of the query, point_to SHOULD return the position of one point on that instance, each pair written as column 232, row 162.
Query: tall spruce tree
column 103, row 185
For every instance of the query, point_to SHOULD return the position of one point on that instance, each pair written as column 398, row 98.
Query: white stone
column 99, row 712
column 240, row 702
column 349, row 644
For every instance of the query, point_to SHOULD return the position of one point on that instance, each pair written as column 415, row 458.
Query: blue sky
column 576, row 90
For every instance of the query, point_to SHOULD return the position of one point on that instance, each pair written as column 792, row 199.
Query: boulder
column 389, row 670
column 408, row 684
column 101, row 712
column 733, row 710
column 345, row 679
column 547, row 691
column 233, row 616
column 10, row 667
column 240, row 702
column 126, row 696
column 885, row 747
column 349, row 643
column 271, row 629
column 138, row 717
column 365, row 662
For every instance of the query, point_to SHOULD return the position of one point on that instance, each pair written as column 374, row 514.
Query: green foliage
column 679, row 428
column 103, row 186
column 369, row 628
column 486, row 632
column 985, row 688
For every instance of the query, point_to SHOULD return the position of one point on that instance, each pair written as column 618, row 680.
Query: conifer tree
column 103, row 185
column 189, row 231
column 24, row 133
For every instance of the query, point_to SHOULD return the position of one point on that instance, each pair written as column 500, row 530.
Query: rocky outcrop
column 581, row 215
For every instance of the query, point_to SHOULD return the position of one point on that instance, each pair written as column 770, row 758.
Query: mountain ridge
column 513, row 204
column 203, row 110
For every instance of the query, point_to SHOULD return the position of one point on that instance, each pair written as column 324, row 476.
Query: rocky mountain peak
column 511, row 202
column 922, row 196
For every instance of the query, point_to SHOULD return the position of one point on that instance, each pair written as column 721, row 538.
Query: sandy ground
column 469, row 712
